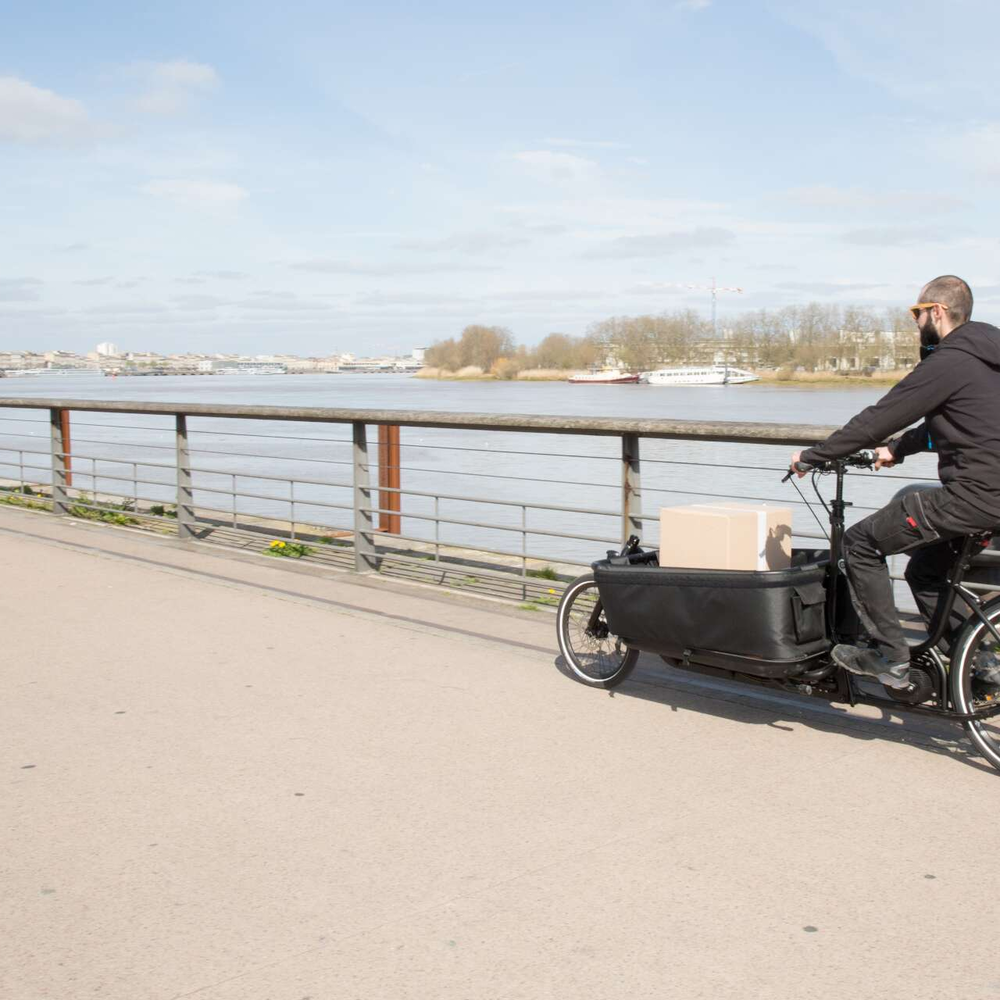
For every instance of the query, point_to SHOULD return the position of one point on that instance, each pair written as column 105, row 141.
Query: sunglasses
column 920, row 306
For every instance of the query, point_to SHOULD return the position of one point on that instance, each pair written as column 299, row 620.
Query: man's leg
column 866, row 544
column 927, row 575
column 912, row 522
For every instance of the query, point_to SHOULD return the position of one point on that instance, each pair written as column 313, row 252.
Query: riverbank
column 780, row 377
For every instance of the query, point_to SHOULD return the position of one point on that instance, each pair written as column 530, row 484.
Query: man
column 956, row 390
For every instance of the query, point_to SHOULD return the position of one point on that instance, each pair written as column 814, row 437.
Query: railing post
column 364, row 544
column 68, row 448
column 60, row 498
column 631, row 487
column 185, row 492
column 388, row 479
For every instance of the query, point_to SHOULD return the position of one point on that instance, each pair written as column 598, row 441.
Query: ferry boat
column 705, row 375
column 604, row 376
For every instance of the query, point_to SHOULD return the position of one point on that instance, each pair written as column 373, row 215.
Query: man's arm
column 923, row 390
column 910, row 442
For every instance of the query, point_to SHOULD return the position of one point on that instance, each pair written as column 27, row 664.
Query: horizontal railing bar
column 270, row 458
column 122, row 444
column 517, row 529
column 420, row 446
column 501, row 503
column 227, row 514
column 271, row 437
column 506, row 553
column 722, row 430
column 494, row 475
column 272, row 479
column 514, row 580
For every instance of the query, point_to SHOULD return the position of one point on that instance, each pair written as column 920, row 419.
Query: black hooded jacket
column 956, row 390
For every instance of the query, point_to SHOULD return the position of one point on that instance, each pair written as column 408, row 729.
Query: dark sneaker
column 871, row 663
column 986, row 667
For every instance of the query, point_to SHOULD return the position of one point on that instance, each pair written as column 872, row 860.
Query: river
column 576, row 472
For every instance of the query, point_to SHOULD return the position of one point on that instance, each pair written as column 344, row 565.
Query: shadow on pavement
column 755, row 704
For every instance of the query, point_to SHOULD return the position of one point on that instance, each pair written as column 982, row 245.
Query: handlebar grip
column 797, row 467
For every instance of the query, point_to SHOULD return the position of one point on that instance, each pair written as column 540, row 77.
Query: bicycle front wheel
column 976, row 653
column 595, row 656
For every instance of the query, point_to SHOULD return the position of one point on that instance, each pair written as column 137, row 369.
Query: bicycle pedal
column 920, row 688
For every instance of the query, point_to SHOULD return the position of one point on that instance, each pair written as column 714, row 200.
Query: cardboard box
column 726, row 536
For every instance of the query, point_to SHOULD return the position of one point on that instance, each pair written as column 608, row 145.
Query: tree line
column 810, row 337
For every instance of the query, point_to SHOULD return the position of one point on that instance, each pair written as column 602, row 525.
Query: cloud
column 893, row 236
column 547, row 165
column 857, row 199
column 877, row 42
column 31, row 115
column 19, row 289
column 94, row 281
column 198, row 302
column 125, row 309
column 829, row 287
column 658, row 288
column 585, row 143
column 199, row 194
column 661, row 245
column 410, row 299
column 73, row 247
column 223, row 275
column 354, row 267
column 692, row 4
column 471, row 243
column 979, row 148
column 171, row 86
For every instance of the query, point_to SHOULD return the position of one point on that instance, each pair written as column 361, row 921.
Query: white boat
column 705, row 375
column 604, row 376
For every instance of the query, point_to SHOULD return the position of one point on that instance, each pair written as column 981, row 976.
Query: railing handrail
column 736, row 431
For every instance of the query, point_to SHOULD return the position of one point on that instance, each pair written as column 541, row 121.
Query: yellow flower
column 551, row 591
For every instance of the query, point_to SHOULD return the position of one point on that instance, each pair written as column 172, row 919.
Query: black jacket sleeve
column 923, row 390
column 910, row 442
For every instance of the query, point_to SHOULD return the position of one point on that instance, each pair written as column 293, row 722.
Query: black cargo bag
column 769, row 623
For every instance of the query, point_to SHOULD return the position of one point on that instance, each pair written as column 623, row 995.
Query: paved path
column 228, row 781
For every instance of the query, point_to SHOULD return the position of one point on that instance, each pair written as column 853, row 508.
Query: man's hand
column 883, row 458
column 796, row 457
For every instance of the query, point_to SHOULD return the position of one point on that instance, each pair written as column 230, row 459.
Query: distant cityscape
column 107, row 359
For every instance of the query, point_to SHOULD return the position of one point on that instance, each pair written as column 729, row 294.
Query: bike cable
column 822, row 527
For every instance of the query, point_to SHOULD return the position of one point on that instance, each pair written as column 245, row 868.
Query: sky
column 317, row 177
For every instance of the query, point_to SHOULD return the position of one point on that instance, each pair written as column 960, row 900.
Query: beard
column 929, row 337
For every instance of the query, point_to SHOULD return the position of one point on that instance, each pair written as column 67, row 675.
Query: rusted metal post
column 389, row 519
column 68, row 448
column 60, row 498
column 631, row 487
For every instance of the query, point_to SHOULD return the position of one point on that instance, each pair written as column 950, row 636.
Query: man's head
column 943, row 304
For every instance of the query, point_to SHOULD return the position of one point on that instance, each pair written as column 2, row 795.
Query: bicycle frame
column 925, row 652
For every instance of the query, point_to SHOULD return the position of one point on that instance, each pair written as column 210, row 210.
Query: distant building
column 108, row 350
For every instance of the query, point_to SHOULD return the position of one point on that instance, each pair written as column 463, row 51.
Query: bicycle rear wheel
column 978, row 648
column 592, row 652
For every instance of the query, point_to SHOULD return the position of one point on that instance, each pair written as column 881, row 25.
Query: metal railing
column 510, row 505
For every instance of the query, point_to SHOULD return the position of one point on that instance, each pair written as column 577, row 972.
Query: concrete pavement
column 232, row 782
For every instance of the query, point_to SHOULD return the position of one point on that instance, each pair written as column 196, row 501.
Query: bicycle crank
column 920, row 689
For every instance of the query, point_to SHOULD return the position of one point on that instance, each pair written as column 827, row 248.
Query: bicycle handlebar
column 859, row 460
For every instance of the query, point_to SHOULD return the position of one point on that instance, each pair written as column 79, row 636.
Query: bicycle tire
column 968, row 694
column 596, row 656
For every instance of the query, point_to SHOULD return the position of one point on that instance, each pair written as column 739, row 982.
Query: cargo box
column 767, row 623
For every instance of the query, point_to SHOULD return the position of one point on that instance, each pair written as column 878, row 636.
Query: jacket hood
column 981, row 340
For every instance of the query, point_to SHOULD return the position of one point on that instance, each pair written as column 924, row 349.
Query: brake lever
column 797, row 467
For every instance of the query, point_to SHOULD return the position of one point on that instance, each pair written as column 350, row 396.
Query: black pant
column 923, row 523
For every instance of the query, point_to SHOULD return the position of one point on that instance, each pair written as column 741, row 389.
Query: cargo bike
column 777, row 627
